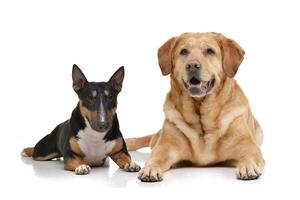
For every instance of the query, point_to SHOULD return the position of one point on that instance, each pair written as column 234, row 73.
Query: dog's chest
column 93, row 146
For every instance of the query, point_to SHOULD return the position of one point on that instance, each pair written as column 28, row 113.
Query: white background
column 41, row 40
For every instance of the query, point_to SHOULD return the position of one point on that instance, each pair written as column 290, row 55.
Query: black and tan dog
column 92, row 133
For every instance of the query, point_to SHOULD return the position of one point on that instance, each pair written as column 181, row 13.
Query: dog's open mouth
column 198, row 87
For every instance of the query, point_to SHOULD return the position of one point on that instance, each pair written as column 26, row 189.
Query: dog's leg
column 45, row 149
column 124, row 161
column 161, row 159
column 244, row 150
column 250, row 162
column 77, row 164
column 171, row 147
column 122, row 158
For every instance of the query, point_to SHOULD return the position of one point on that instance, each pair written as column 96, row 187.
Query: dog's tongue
column 202, row 85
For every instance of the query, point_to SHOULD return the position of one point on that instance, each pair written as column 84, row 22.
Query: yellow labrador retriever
column 208, row 119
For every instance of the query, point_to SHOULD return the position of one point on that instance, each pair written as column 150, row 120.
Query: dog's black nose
column 103, row 126
column 193, row 65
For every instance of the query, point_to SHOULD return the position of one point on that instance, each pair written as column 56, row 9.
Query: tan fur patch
column 122, row 160
column 75, row 147
column 90, row 115
column 28, row 151
column 72, row 163
column 106, row 93
column 48, row 157
column 118, row 146
column 94, row 93
column 111, row 113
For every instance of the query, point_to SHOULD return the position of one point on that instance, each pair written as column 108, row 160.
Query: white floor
column 111, row 176
column 34, row 179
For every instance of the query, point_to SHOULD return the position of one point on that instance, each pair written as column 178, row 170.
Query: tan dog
column 208, row 120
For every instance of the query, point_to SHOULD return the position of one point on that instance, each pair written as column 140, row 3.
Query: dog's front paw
column 82, row 170
column 150, row 174
column 132, row 167
column 248, row 171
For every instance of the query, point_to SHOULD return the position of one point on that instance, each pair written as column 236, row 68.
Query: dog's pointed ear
column 78, row 77
column 117, row 78
column 232, row 55
column 165, row 53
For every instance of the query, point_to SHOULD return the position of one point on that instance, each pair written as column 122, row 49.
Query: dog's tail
column 27, row 152
column 134, row 144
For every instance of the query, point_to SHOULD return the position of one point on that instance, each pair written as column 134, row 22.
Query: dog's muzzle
column 197, row 87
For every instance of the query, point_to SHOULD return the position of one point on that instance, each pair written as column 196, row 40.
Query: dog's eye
column 209, row 51
column 184, row 52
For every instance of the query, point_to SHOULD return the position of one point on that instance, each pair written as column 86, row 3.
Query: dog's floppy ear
column 165, row 56
column 117, row 78
column 78, row 77
column 232, row 55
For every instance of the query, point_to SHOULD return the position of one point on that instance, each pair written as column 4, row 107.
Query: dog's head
column 98, row 100
column 200, row 61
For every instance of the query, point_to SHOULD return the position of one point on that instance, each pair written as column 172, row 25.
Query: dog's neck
column 180, row 101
